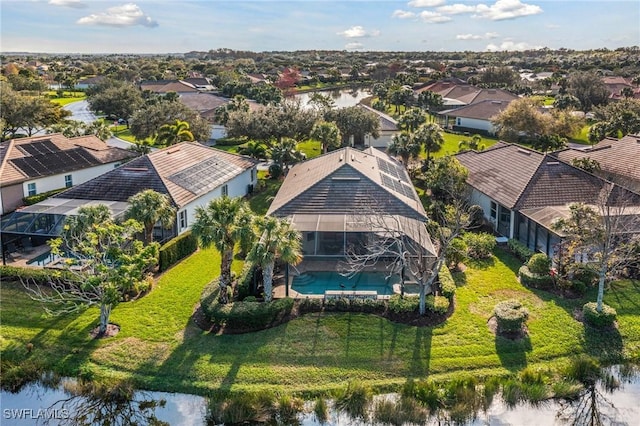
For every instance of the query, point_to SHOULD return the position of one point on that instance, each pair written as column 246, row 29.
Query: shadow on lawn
column 513, row 353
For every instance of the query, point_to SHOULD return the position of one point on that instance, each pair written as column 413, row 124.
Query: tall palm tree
column 171, row 134
column 99, row 128
column 429, row 136
column 278, row 239
column 286, row 153
column 473, row 143
column 327, row 134
column 412, row 119
column 221, row 224
column 404, row 146
column 150, row 207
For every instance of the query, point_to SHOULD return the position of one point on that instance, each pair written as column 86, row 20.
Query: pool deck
column 21, row 258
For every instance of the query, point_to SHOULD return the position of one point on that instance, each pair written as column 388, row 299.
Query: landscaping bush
column 310, row 305
column 243, row 285
column 529, row 279
column 440, row 305
column 479, row 245
column 177, row 249
column 230, row 141
column 275, row 171
column 539, row 264
column 367, row 305
column 456, row 252
column 519, row 250
column 447, row 284
column 585, row 273
column 245, row 316
column 599, row 319
column 511, row 315
column 476, row 216
column 408, row 304
column 33, row 199
column 39, row 276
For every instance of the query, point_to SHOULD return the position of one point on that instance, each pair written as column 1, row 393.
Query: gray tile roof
column 347, row 181
column 483, row 110
column 618, row 159
column 387, row 123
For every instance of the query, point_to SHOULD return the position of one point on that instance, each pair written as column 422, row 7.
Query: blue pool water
column 319, row 282
column 43, row 259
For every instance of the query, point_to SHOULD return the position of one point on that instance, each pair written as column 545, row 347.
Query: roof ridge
column 530, row 179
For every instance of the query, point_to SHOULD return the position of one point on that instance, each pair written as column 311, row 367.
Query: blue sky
column 167, row 26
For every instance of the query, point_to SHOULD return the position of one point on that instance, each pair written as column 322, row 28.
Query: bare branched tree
column 606, row 235
column 101, row 260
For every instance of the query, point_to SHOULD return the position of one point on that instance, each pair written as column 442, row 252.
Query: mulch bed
column 112, row 330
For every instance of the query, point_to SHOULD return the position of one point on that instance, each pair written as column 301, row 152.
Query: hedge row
column 529, row 279
column 248, row 316
column 230, row 141
column 33, row 199
column 177, row 249
column 520, row 250
column 479, row 245
column 447, row 284
column 410, row 304
column 37, row 275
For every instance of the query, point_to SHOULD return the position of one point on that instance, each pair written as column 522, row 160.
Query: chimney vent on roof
column 552, row 163
column 341, row 158
column 524, row 151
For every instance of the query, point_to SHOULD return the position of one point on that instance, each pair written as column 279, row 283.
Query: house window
column 253, row 175
column 68, row 181
column 31, row 188
column 494, row 212
column 183, row 219
column 225, row 190
column 459, row 122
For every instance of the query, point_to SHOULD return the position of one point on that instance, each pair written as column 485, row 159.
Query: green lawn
column 583, row 137
column 452, row 140
column 160, row 348
column 68, row 97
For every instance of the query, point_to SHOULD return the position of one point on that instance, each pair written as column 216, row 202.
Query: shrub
column 39, row 276
column 177, row 249
column 230, row 141
column 33, row 199
column 310, row 305
column 354, row 400
column 366, row 305
column 456, row 252
column 539, row 264
column 529, row 279
column 440, row 305
column 476, row 216
column 510, row 315
column 585, row 273
column 447, row 284
column 275, row 171
column 520, row 250
column 599, row 319
column 408, row 304
column 243, row 285
column 479, row 245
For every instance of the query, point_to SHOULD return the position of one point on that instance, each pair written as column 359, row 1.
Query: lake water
column 343, row 98
column 35, row 403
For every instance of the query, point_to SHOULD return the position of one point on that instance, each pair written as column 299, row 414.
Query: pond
column 342, row 98
column 62, row 401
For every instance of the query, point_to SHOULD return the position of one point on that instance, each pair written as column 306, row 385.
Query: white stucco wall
column 237, row 187
column 218, row 131
column 483, row 201
column 473, row 123
column 49, row 183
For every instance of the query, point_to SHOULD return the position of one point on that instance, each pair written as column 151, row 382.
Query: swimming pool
column 43, row 259
column 318, row 282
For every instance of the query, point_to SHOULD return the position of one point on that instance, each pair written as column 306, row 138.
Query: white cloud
column 77, row 4
column 358, row 32
column 433, row 17
column 456, row 9
column 426, row 3
column 484, row 36
column 126, row 15
column 403, row 14
column 353, row 46
column 511, row 45
column 506, row 9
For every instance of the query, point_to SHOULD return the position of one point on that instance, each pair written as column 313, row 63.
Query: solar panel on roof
column 392, row 170
column 39, row 148
column 55, row 162
column 206, row 175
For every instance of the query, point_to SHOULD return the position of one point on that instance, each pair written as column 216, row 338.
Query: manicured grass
column 160, row 348
column 310, row 148
column 583, row 136
column 264, row 193
column 451, row 141
column 68, row 97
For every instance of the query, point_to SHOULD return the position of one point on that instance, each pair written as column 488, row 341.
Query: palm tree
column 404, row 146
column 150, row 207
column 100, row 129
column 327, row 134
column 429, row 136
column 255, row 149
column 278, row 239
column 286, row 153
column 473, row 143
column 221, row 224
column 412, row 119
column 170, row 134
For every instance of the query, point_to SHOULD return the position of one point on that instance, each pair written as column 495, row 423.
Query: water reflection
column 591, row 396
column 341, row 98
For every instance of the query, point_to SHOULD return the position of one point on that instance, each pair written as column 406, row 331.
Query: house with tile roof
column 35, row 165
column 340, row 200
column 618, row 159
column 474, row 118
column 523, row 192
column 166, row 86
column 388, row 127
column 191, row 175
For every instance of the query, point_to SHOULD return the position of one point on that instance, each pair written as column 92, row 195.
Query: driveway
column 80, row 112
